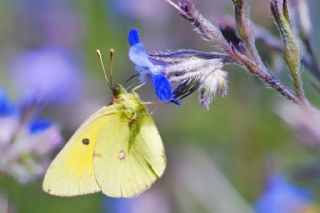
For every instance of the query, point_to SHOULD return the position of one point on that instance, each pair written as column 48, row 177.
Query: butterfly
column 117, row 151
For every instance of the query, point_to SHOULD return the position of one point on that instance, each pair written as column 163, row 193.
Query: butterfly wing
column 129, row 156
column 71, row 173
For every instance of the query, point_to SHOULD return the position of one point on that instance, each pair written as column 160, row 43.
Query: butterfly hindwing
column 129, row 156
column 71, row 173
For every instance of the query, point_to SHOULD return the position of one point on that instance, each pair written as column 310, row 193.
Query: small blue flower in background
column 281, row 196
column 143, row 10
column 49, row 73
column 56, row 22
column 6, row 108
column 39, row 125
column 147, row 69
column 121, row 205
column 8, row 119
column 25, row 140
column 154, row 201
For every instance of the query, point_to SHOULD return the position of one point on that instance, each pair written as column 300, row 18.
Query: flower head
column 52, row 75
column 193, row 70
column 282, row 196
column 26, row 142
column 189, row 69
column 56, row 22
column 8, row 119
column 150, row 201
column 138, row 9
column 148, row 69
column 6, row 108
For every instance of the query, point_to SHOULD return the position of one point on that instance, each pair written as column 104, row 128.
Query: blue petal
column 133, row 37
column 162, row 88
column 5, row 107
column 37, row 126
column 139, row 56
column 175, row 101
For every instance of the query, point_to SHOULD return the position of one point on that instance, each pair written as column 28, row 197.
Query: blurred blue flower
column 44, row 136
column 49, row 73
column 281, row 196
column 25, row 142
column 39, row 125
column 6, row 108
column 144, row 10
column 150, row 201
column 8, row 119
column 121, row 205
column 147, row 69
column 56, row 22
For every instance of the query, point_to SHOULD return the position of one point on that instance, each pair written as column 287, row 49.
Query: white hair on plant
column 192, row 68
column 212, row 85
column 206, row 73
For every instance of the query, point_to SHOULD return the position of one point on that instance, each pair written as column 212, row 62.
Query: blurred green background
column 240, row 134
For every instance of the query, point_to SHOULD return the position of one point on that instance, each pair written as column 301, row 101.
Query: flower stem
column 264, row 74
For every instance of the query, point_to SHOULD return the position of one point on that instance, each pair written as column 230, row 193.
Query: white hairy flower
column 212, row 85
column 205, row 73
column 192, row 68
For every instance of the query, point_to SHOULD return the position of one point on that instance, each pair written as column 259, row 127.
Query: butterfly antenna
column 103, row 69
column 111, row 54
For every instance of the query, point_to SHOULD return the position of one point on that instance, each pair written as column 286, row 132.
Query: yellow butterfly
column 117, row 150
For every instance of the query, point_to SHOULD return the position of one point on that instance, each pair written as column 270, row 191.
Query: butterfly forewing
column 71, row 173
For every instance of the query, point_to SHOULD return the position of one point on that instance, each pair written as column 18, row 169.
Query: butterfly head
column 118, row 90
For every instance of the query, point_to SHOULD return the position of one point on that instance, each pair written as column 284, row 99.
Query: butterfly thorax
column 129, row 103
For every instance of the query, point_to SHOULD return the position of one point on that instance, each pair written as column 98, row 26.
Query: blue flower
column 65, row 29
column 148, row 69
column 6, row 108
column 120, row 205
column 281, row 196
column 49, row 73
column 138, row 9
column 151, row 201
column 189, row 70
column 39, row 125
column 25, row 142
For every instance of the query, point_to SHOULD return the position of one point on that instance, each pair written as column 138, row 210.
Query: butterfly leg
column 137, row 87
column 147, row 102
column 154, row 110
column 157, row 104
column 151, row 102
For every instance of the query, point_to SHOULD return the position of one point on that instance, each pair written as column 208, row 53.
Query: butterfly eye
column 116, row 87
column 85, row 141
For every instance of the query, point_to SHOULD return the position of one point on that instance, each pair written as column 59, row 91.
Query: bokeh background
column 224, row 160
